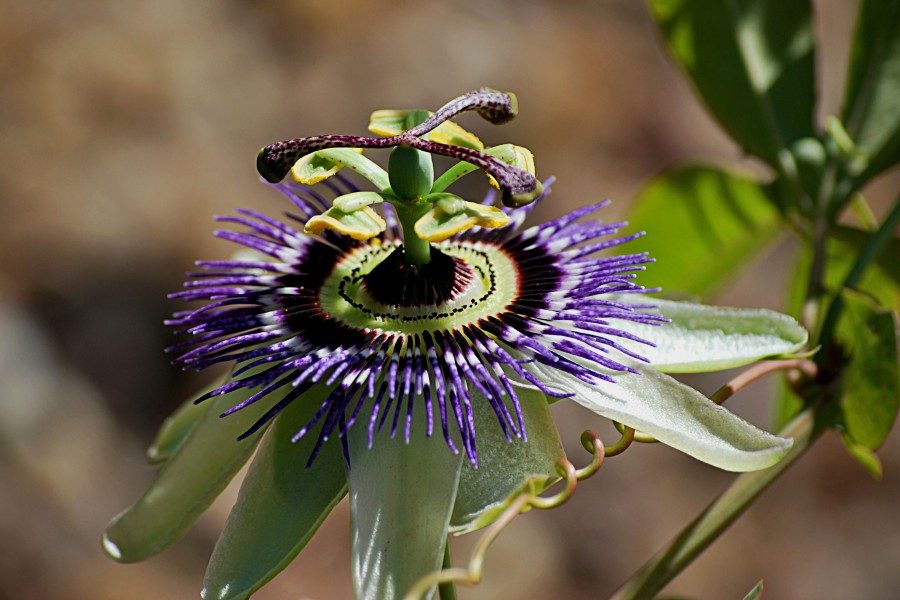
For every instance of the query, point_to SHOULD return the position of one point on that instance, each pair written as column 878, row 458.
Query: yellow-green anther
column 360, row 224
column 315, row 167
column 438, row 225
column 449, row 203
column 356, row 200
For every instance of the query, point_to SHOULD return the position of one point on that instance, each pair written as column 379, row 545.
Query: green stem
column 447, row 590
column 416, row 251
column 873, row 247
column 718, row 516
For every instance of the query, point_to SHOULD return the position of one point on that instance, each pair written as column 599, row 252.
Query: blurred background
column 126, row 125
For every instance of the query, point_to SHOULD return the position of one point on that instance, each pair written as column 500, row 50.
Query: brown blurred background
column 125, row 125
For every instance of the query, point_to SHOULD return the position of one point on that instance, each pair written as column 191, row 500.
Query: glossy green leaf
column 870, row 388
column 871, row 112
column 675, row 414
column 703, row 338
column 280, row 506
column 702, row 225
column 505, row 468
column 752, row 62
column 188, row 482
column 401, row 497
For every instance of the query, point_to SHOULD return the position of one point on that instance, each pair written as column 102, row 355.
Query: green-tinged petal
column 703, row 338
column 189, row 481
column 319, row 165
column 359, row 224
column 506, row 468
column 356, row 200
column 675, row 414
column 393, row 122
column 280, row 506
column 401, row 497
column 176, row 428
column 439, row 224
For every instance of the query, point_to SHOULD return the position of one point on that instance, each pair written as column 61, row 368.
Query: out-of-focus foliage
column 752, row 62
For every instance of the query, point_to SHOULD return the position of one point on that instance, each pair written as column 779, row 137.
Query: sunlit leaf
column 870, row 384
column 864, row 457
column 752, row 62
column 871, row 112
column 702, row 225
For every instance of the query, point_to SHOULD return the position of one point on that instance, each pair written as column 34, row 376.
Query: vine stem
column 876, row 243
column 760, row 370
column 718, row 516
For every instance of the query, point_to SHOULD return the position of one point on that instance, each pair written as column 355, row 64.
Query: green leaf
column 189, row 481
column 703, row 338
column 870, row 387
column 878, row 280
column 280, row 506
column 702, row 225
column 401, row 497
column 675, row 414
column 864, row 457
column 857, row 239
column 505, row 468
column 756, row 592
column 752, row 61
column 871, row 112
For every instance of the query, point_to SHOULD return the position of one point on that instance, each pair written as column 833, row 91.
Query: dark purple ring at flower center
column 395, row 283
